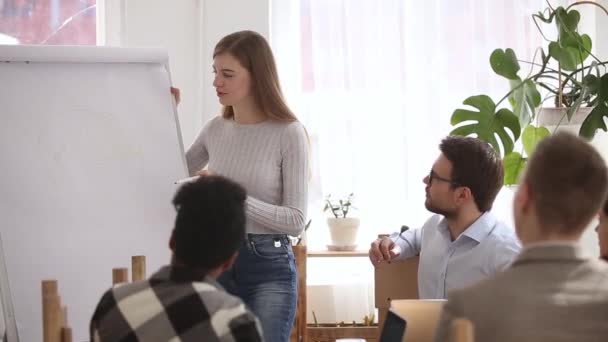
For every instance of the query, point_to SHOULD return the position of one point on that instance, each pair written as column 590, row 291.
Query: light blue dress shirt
column 484, row 248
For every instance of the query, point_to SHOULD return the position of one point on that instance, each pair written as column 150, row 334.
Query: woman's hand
column 176, row 95
column 204, row 173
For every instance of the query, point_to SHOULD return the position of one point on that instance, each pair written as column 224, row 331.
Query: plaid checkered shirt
column 175, row 304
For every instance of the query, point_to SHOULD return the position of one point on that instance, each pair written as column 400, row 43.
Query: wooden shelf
column 302, row 333
column 326, row 253
column 330, row 334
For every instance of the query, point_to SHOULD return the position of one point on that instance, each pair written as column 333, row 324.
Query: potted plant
column 567, row 74
column 342, row 229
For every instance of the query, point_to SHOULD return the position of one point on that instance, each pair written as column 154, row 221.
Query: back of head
column 567, row 181
column 605, row 208
column 254, row 53
column 476, row 165
column 210, row 221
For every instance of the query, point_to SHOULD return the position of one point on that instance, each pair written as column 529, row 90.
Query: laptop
column 393, row 329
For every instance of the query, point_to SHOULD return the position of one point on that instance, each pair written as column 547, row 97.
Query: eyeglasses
column 433, row 175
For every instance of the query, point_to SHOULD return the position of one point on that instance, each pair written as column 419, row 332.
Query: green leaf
column 514, row 164
column 592, row 83
column 602, row 93
column 307, row 225
column 577, row 103
column 577, row 41
column 580, row 45
column 525, row 99
column 540, row 15
column 532, row 136
column 594, row 121
column 487, row 123
column 505, row 63
column 571, row 51
column 566, row 21
column 565, row 57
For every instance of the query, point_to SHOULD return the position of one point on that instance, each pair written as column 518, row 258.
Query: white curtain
column 375, row 82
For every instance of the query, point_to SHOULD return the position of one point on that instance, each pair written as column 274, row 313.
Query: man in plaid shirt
column 182, row 301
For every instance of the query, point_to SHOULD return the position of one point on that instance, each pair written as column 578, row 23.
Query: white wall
column 189, row 29
column 601, row 22
column 2, row 324
column 174, row 25
column 221, row 17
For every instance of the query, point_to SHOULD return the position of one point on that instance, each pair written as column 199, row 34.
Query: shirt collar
column 478, row 230
column 180, row 274
column 551, row 251
column 555, row 243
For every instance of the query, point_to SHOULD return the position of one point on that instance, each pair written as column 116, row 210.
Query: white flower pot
column 552, row 117
column 343, row 231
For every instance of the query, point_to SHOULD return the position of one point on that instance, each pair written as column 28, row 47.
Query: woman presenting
column 259, row 143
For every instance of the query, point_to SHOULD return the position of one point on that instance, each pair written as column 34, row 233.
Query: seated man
column 183, row 301
column 464, row 243
column 552, row 291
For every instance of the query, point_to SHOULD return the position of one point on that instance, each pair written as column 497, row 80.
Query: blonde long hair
column 253, row 52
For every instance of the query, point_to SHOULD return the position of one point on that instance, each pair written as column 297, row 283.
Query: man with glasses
column 464, row 242
column 554, row 291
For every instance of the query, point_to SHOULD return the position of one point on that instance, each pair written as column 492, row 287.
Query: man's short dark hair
column 210, row 221
column 476, row 165
column 568, row 180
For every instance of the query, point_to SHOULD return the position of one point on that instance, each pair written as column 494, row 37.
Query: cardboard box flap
column 397, row 280
column 422, row 317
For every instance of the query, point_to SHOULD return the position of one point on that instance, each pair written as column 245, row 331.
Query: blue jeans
column 264, row 276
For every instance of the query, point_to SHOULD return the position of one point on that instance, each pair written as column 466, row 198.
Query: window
column 376, row 82
column 52, row 22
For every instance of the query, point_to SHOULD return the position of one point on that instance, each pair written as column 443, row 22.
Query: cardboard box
column 421, row 316
column 397, row 280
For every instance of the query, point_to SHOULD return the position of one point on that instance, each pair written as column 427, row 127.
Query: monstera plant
column 567, row 73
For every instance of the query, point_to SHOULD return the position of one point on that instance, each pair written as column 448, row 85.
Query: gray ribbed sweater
column 269, row 159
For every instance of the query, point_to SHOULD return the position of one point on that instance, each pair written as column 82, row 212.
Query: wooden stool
column 138, row 268
column 120, row 275
column 138, row 271
column 55, row 326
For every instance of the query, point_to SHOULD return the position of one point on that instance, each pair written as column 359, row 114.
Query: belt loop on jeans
column 248, row 242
